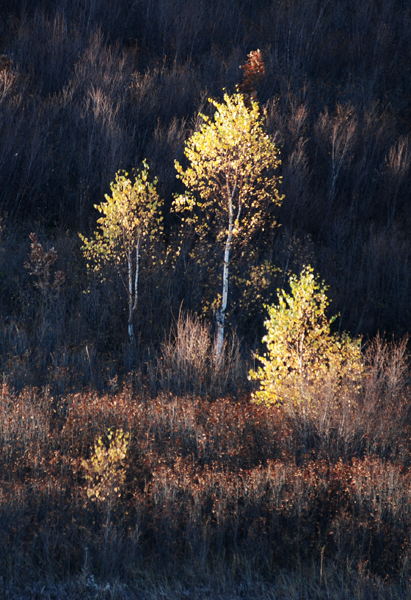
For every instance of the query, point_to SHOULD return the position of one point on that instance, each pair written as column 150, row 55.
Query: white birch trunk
column 220, row 315
column 133, row 291
column 221, row 311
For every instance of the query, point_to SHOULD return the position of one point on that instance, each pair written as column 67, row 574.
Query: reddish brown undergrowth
column 207, row 482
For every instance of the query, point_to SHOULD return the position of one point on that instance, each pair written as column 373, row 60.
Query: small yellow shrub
column 303, row 355
column 106, row 468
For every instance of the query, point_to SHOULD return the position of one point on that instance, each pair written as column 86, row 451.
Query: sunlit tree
column 131, row 220
column 231, row 183
column 302, row 353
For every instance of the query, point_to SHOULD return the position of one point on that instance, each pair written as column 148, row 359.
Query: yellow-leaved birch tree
column 302, row 353
column 231, row 183
column 131, row 219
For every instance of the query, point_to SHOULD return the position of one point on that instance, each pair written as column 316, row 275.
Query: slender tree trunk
column 130, row 326
column 221, row 311
column 220, row 316
column 133, row 290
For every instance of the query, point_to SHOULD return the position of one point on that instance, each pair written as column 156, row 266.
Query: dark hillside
column 87, row 88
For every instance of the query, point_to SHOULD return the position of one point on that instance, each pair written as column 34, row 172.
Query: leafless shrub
column 336, row 139
column 7, row 77
column 165, row 146
column 39, row 266
column 189, row 364
column 295, row 185
column 388, row 368
column 398, row 164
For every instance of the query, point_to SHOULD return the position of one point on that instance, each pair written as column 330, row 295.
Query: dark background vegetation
column 88, row 87
column 91, row 87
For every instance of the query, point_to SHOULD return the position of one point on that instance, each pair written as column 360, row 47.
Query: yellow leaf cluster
column 302, row 353
column 130, row 216
column 106, row 468
column 232, row 163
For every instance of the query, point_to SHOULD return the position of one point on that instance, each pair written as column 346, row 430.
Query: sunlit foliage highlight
column 303, row 356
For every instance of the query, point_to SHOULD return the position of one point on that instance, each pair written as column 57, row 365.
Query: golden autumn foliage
column 303, row 355
column 106, row 468
column 232, row 163
column 130, row 216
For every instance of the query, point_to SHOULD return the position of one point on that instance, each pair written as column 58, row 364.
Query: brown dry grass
column 211, row 487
